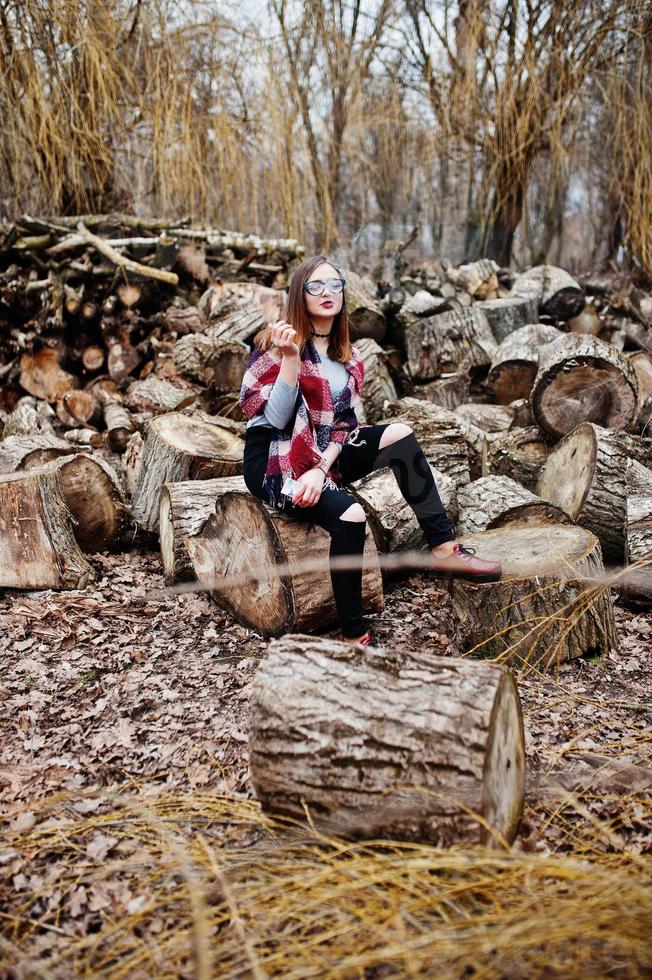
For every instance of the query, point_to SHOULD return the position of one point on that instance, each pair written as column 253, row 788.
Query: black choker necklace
column 315, row 334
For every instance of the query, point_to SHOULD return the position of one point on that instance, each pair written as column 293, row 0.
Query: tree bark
column 520, row 454
column 399, row 745
column 514, row 366
column 557, row 293
column 498, row 501
column 509, row 313
column 551, row 604
column 638, row 530
column 378, row 383
column 439, row 433
column 442, row 344
column 30, row 452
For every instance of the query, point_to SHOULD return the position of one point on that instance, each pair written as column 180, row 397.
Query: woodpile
column 401, row 745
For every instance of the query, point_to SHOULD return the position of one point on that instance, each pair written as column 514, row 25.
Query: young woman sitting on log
column 297, row 393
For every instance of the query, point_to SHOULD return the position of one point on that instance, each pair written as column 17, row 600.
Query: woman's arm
column 279, row 407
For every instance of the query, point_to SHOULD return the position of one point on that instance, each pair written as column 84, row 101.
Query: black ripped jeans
column 358, row 457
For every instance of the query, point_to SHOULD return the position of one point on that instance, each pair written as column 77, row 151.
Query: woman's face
column 318, row 306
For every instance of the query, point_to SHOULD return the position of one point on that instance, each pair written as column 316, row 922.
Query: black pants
column 358, row 457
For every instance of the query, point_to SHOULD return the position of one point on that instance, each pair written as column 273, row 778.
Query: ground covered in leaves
column 129, row 689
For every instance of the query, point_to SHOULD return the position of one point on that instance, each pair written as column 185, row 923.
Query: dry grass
column 296, row 904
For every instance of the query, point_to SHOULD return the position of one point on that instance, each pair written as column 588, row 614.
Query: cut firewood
column 378, row 383
column 499, row 501
column 184, row 320
column 642, row 364
column 447, row 392
column 477, row 278
column 93, row 496
column 30, row 417
column 75, row 408
column 392, row 520
column 93, row 358
column 515, row 363
column 582, row 379
column 157, row 395
column 231, row 316
column 114, row 256
column 509, row 313
column 41, row 375
column 179, row 448
column 211, row 360
column 587, row 321
column 30, row 452
column 441, row 344
column 638, row 533
column 268, row 302
column 585, row 475
column 247, row 537
column 184, row 509
column 520, row 454
column 551, row 604
column 39, row 550
column 390, row 744
column 557, row 293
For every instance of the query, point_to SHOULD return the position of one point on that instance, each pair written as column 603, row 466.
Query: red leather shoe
column 462, row 563
column 369, row 639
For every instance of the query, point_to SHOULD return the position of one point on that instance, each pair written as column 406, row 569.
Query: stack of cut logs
column 123, row 345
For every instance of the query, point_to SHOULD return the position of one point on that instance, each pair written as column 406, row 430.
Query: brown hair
column 294, row 311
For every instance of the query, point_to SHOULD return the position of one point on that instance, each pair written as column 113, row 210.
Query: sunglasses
column 316, row 287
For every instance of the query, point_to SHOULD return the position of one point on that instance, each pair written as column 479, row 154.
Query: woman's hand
column 312, row 484
column 283, row 334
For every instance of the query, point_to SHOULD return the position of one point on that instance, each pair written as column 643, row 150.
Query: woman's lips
column 327, row 303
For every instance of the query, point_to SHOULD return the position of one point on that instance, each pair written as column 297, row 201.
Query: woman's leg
column 395, row 445
column 341, row 516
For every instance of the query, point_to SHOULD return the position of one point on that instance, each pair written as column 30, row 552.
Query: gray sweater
column 282, row 402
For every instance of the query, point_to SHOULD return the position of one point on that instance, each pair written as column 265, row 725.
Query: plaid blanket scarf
column 318, row 419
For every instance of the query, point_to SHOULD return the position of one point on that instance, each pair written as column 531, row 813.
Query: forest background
column 517, row 130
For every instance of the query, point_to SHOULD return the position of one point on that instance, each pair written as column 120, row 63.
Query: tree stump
column 247, row 537
column 498, row 501
column 558, row 294
column 439, row 433
column 638, row 530
column 582, row 379
column 520, row 454
column 378, row 383
column 551, row 604
column 391, row 519
column 387, row 743
column 184, row 509
column 585, row 475
column 515, row 363
column 509, row 313
column 30, row 452
column 37, row 543
column 177, row 448
column 441, row 344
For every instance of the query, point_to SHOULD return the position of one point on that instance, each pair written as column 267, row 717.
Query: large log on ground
column 521, row 454
column 439, row 433
column 387, row 743
column 509, row 313
column 366, row 318
column 551, row 604
column 582, row 379
column 498, row 501
column 223, row 299
column 30, row 452
column 481, row 424
column 557, row 293
column 441, row 344
column 585, row 475
column 638, row 524
column 642, row 363
column 37, row 543
column 392, row 520
column 157, row 395
column 514, row 366
column 185, row 507
column 378, row 383
column 247, row 537
column 176, row 448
